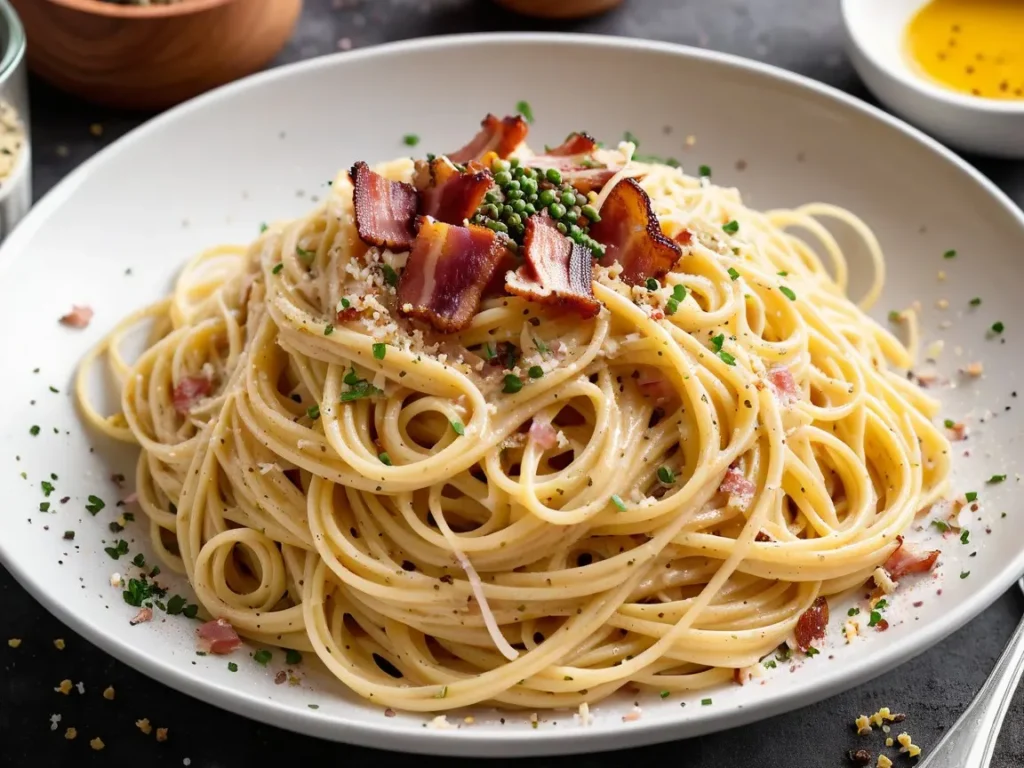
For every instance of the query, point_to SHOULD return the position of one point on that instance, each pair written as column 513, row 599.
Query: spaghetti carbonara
column 539, row 508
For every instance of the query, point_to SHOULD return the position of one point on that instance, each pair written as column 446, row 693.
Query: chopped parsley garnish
column 965, row 536
column 705, row 170
column 512, row 384
column 782, row 273
column 950, row 254
column 619, row 503
column 731, row 228
column 666, row 475
column 812, row 651
column 787, row 292
column 384, row 458
column 705, row 702
column 390, row 276
column 964, row 574
column 971, row 496
column 524, row 109
column 44, row 506
column 975, row 302
column 358, row 388
column 69, row 535
column 155, row 571
column 949, row 423
column 139, row 590
column 54, row 390
column 664, row 694
column 263, row 227
column 881, row 605
column 313, row 706
column 734, row 274
column 47, row 487
column 115, row 552
column 313, row 412
column 853, row 612
column 726, row 357
column 410, row 139
column 458, row 427
column 941, row 526
column 543, row 348
column 175, row 605
column 277, row 268
column 875, row 618
column 139, row 561
column 678, row 294
column 895, row 316
column 489, row 352
column 33, row 430
column 306, row 256
column 262, row 656
column 190, row 611
column 652, row 284
column 345, row 303
column 328, row 329
column 998, row 327
column 536, row 372
column 996, row 479
column 380, row 349
column 232, row 667
column 770, row 664
column 293, row 657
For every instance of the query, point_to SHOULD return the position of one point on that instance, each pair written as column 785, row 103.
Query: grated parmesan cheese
column 440, row 723
column 850, row 630
column 883, row 762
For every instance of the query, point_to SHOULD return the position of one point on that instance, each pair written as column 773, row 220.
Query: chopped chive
column 69, row 535
column 536, row 372
column 458, row 427
column 263, row 227
column 175, row 605
column 875, row 618
column 731, row 228
column 277, row 268
column 33, row 430
column 293, row 657
column 664, row 694
column 666, row 475
column 787, row 292
column 306, row 256
column 950, row 254
column 679, row 292
column 949, row 424
column 734, row 274
column 512, row 384
column 671, row 307
column 996, row 479
column 384, row 458
column 998, row 327
column 524, row 109
column 975, row 302
column 619, row 503
column 782, row 273
column 328, row 329
column 410, row 139
column 705, row 171
column 812, row 651
column 47, row 487
column 489, row 351
column 965, row 536
column 964, row 574
column 717, row 341
column 705, row 702
column 770, row 664
column 139, row 561
column 543, row 348
column 313, row 412
column 44, row 506
column 232, row 667
column 941, row 526
column 379, row 350
column 726, row 357
column 95, row 504
column 853, row 612
column 882, row 604
column 971, row 496
column 390, row 276
column 262, row 656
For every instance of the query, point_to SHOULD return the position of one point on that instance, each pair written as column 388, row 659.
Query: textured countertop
column 800, row 35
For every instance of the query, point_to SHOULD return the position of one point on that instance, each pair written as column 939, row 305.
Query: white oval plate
column 213, row 169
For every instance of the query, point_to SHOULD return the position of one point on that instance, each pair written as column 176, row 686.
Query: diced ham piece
column 655, row 386
column 453, row 196
column 740, row 489
column 556, row 269
column 543, row 434
column 446, row 273
column 575, row 144
column 218, row 636
column 78, row 317
column 632, row 236
column 144, row 615
column 908, row 560
column 385, row 210
column 189, row 391
column 498, row 136
column 812, row 624
column 786, row 390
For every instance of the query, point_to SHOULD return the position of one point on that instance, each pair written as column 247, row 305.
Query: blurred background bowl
column 560, row 9
column 151, row 56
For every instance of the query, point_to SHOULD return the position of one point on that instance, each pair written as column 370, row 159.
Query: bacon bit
column 218, row 636
column 958, row 431
column 451, row 196
column 974, row 369
column 498, row 136
column 655, row 386
column 740, row 489
column 737, row 675
column 385, row 210
column 496, row 285
column 685, row 237
column 575, row 144
column 543, row 434
column 906, row 560
column 347, row 314
column 447, row 271
column 144, row 615
column 189, row 391
column 882, row 625
column 762, row 536
column 630, row 232
column 786, row 390
column 812, row 623
column 280, row 677
column 556, row 270
column 78, row 317
column 161, row 734
column 860, row 757
column 632, row 716
column 389, row 712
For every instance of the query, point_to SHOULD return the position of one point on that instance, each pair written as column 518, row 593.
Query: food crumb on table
column 59, row 644
column 14, row 642
column 97, row 743
column 71, row 733
column 108, row 693
column 144, row 726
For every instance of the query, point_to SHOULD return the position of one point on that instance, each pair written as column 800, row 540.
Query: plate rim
column 469, row 742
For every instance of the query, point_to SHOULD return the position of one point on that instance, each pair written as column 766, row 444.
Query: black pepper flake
column 408, row 565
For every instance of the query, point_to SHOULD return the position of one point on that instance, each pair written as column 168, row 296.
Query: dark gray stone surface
column 801, row 35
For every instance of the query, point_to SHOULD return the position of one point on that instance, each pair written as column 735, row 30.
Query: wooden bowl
column 154, row 56
column 560, row 9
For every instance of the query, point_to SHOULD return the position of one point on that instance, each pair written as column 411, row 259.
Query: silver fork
column 971, row 740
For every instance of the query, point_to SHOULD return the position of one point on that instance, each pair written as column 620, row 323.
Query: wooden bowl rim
column 115, row 10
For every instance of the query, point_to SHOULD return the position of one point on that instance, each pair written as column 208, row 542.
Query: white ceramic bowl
column 874, row 33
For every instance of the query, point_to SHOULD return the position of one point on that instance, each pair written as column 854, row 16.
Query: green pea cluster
column 520, row 192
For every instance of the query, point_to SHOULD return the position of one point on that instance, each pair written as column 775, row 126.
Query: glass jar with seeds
column 15, row 149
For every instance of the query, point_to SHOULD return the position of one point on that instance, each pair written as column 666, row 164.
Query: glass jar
column 15, row 147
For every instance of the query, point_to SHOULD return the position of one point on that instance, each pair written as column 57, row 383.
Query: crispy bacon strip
column 189, row 391
column 452, row 197
column 499, row 136
column 575, row 144
column 556, row 270
column 385, row 210
column 907, row 560
column 632, row 236
column 812, row 624
column 447, row 271
column 218, row 636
